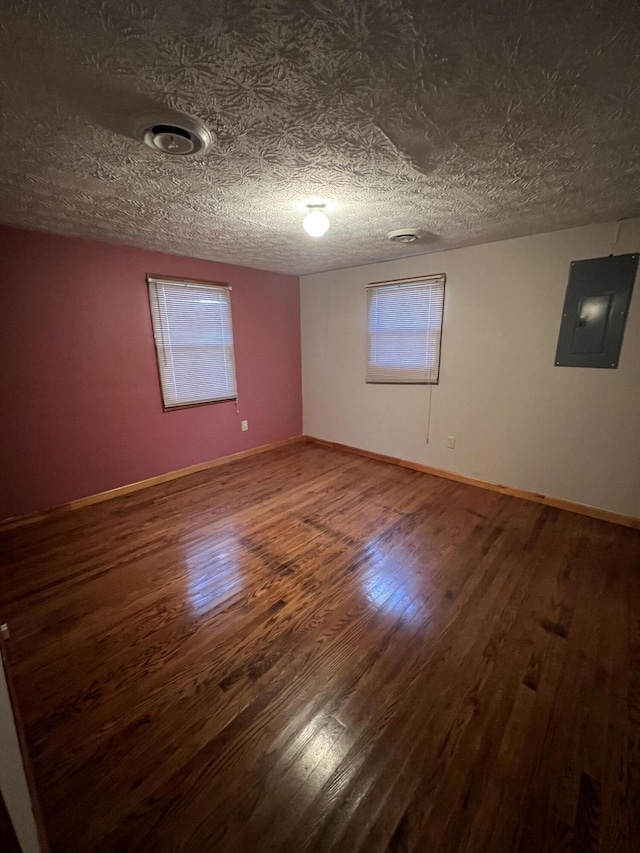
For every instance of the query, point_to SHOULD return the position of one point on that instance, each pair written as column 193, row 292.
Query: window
column 405, row 327
column 194, row 341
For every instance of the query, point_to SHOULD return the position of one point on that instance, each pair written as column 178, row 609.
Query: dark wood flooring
column 312, row 651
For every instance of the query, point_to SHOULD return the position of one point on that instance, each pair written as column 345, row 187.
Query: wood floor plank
column 315, row 651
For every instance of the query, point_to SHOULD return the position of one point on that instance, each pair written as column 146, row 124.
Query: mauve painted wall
column 81, row 406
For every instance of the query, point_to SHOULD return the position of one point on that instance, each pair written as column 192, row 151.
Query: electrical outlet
column 244, row 425
column 451, row 442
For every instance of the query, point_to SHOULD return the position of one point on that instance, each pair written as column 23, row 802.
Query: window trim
column 151, row 278
column 417, row 279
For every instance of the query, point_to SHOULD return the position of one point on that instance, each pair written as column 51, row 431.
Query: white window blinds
column 405, row 327
column 194, row 341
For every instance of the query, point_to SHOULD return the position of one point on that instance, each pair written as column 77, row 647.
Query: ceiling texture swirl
column 468, row 121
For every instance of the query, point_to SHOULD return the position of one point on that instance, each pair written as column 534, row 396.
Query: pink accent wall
column 81, row 407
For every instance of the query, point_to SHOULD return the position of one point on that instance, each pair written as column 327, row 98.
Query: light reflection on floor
column 325, row 746
column 392, row 583
column 214, row 573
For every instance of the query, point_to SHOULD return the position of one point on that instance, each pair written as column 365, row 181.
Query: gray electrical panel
column 595, row 311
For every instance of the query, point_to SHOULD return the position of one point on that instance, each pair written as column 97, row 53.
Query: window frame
column 436, row 278
column 152, row 278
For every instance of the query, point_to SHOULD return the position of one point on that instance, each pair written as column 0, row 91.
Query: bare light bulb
column 316, row 222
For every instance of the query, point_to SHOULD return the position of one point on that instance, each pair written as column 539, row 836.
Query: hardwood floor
column 312, row 651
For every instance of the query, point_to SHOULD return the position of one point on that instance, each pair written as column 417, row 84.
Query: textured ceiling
column 472, row 121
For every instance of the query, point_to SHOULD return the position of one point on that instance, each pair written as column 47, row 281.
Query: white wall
column 571, row 433
column 13, row 783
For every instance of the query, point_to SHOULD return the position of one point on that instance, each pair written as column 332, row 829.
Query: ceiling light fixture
column 316, row 222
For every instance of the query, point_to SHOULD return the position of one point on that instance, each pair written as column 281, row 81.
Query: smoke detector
column 403, row 235
column 176, row 134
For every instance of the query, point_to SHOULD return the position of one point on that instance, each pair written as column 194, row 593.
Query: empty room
column 320, row 443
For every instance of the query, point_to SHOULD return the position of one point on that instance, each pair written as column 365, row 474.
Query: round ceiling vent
column 403, row 235
column 173, row 133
